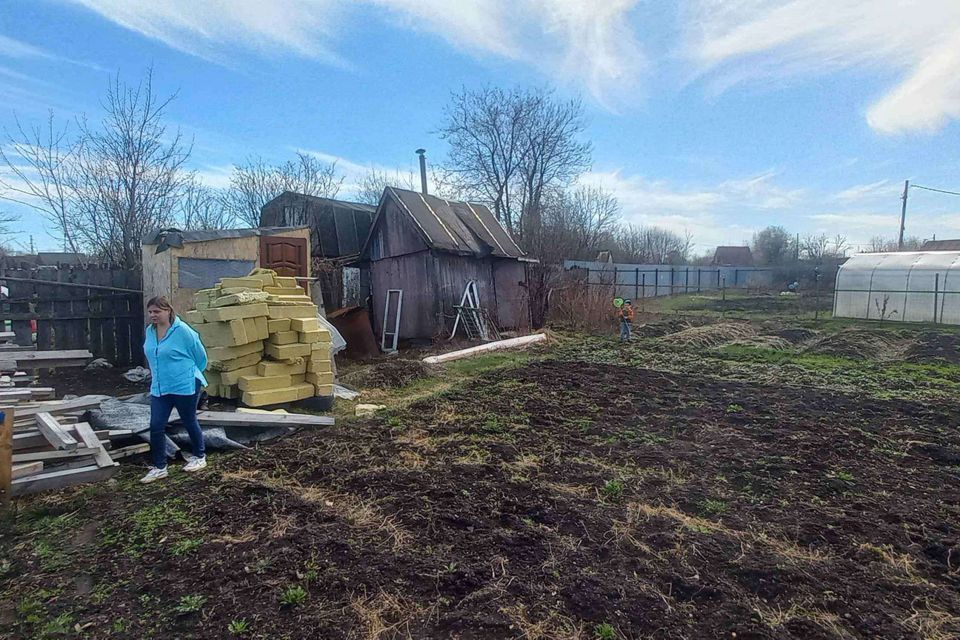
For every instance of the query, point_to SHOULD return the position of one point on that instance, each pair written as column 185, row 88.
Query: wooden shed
column 177, row 264
column 338, row 230
column 431, row 248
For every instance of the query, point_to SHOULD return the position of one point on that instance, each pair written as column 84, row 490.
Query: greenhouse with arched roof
column 906, row 286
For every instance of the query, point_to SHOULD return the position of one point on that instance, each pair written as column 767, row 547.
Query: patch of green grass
column 119, row 625
column 30, row 610
column 845, row 476
column 238, row 627
column 189, row 604
column 604, row 631
column 733, row 407
column 714, row 507
column 185, row 546
column 293, row 596
column 59, row 626
column 612, row 490
column 50, row 554
column 147, row 526
column 102, row 592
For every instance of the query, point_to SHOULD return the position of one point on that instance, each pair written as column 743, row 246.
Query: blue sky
column 717, row 117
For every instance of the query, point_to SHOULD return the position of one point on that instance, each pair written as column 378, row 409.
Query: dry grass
column 776, row 617
column 711, row 335
column 931, row 623
column 384, row 615
column 355, row 511
column 552, row 627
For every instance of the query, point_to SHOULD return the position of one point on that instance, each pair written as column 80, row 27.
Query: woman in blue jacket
column 177, row 359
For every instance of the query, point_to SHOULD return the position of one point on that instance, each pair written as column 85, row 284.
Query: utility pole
column 796, row 249
column 903, row 213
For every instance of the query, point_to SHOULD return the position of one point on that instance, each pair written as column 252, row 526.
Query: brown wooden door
column 286, row 256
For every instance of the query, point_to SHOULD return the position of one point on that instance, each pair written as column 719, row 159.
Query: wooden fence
column 105, row 317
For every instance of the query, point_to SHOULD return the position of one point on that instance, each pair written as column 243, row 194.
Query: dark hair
column 163, row 303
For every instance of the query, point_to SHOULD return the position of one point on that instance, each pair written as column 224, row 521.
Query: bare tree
column 552, row 154
column 374, row 181
column 652, row 245
column 130, row 172
column 256, row 182
column 880, row 244
column 202, row 207
column 840, row 246
column 41, row 162
column 104, row 188
column 485, row 131
column 510, row 148
column 814, row 246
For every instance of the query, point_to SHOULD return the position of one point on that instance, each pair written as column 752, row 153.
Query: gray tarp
column 134, row 414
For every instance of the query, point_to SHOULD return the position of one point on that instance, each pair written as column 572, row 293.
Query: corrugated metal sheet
column 456, row 227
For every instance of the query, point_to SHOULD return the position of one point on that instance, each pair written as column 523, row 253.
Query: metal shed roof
column 458, row 227
column 156, row 236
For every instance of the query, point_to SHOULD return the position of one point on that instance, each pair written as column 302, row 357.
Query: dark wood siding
column 414, row 274
column 513, row 306
column 453, row 273
column 400, row 235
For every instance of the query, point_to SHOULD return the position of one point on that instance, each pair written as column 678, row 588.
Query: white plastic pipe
column 484, row 348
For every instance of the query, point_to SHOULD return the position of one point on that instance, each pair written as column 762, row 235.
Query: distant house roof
column 457, row 227
column 941, row 245
column 733, row 256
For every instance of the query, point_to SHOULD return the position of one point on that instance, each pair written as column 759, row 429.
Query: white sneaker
column 154, row 474
column 195, row 464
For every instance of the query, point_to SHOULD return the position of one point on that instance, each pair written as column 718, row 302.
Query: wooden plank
column 7, row 336
column 53, row 480
column 107, row 434
column 14, row 395
column 54, row 354
column 28, row 469
column 54, row 455
column 132, row 450
column 59, row 407
column 54, row 433
column 47, row 326
column 230, row 419
column 29, row 440
column 6, row 456
column 12, row 348
column 91, row 440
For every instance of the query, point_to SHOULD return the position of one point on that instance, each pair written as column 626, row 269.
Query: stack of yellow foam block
column 263, row 340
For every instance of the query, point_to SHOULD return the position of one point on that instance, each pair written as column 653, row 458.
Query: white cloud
column 590, row 43
column 881, row 189
column 16, row 49
column 207, row 28
column 769, row 38
column 718, row 214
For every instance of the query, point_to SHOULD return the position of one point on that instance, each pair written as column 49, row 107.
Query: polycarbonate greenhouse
column 907, row 286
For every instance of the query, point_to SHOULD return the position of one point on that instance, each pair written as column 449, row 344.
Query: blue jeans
column 625, row 328
column 160, row 408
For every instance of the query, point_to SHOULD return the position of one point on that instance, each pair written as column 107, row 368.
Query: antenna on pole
column 903, row 213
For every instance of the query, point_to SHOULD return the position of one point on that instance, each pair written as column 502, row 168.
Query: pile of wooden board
column 264, row 343
column 52, row 449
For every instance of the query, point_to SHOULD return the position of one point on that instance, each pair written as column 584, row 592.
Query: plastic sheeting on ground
column 134, row 414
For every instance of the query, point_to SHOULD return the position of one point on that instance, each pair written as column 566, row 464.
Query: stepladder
column 475, row 320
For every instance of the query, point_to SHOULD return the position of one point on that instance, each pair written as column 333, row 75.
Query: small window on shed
column 376, row 247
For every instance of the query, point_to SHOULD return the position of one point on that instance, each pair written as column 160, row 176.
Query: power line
column 917, row 186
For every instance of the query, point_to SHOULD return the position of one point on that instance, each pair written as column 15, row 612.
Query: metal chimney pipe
column 423, row 170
